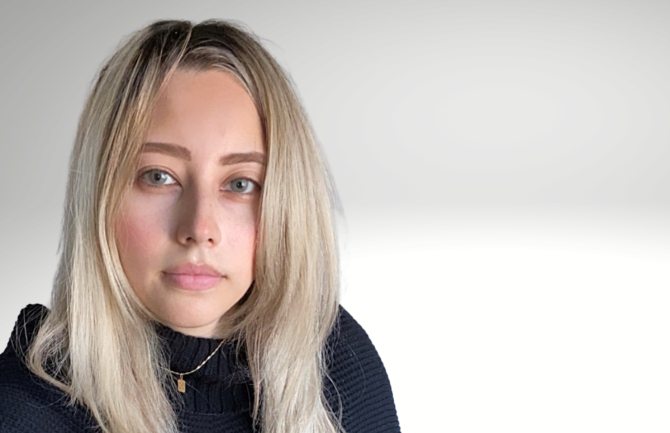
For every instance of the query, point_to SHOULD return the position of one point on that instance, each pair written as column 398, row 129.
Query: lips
column 193, row 269
column 190, row 276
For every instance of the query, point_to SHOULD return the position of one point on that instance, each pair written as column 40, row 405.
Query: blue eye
column 242, row 186
column 157, row 177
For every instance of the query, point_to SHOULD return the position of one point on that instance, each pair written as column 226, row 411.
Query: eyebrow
column 185, row 154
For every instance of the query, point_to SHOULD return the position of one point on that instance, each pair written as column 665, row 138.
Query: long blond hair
column 98, row 344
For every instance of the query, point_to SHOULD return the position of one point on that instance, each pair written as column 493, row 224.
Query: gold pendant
column 181, row 384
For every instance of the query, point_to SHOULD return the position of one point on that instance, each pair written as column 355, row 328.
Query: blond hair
column 98, row 344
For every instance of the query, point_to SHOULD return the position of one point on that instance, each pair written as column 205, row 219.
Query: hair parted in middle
column 98, row 331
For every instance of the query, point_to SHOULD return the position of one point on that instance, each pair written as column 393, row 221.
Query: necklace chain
column 181, row 383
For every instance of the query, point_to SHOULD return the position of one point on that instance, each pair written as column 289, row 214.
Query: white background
column 503, row 168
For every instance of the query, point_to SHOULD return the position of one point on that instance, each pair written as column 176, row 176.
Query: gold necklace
column 181, row 383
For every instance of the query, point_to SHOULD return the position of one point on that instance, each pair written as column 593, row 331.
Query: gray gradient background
column 503, row 167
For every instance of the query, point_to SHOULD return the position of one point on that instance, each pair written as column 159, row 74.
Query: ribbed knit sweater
column 218, row 397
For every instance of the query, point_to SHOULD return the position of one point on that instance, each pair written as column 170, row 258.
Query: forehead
column 205, row 110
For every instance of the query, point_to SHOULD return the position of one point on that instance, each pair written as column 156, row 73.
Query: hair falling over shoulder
column 98, row 344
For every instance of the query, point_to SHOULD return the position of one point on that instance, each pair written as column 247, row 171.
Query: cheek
column 240, row 239
column 138, row 238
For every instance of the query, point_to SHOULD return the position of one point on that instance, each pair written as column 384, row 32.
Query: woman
column 197, row 288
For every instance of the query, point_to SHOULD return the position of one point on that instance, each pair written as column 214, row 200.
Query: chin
column 193, row 312
column 191, row 321
column 191, row 318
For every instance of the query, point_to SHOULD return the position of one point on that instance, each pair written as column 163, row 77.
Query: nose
column 198, row 223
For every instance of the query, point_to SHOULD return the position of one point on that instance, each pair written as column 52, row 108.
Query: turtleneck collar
column 222, row 385
column 186, row 352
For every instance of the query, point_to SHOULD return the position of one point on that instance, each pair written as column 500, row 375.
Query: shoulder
column 357, row 384
column 351, row 351
column 27, row 324
column 28, row 403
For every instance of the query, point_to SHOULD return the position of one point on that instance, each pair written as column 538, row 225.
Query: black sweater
column 218, row 397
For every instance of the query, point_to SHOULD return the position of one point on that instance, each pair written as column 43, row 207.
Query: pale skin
column 195, row 200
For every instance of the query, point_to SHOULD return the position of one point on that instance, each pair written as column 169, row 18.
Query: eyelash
column 151, row 185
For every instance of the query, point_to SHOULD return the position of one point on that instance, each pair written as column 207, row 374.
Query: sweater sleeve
column 358, row 386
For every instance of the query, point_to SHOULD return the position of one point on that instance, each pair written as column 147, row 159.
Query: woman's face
column 186, row 233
